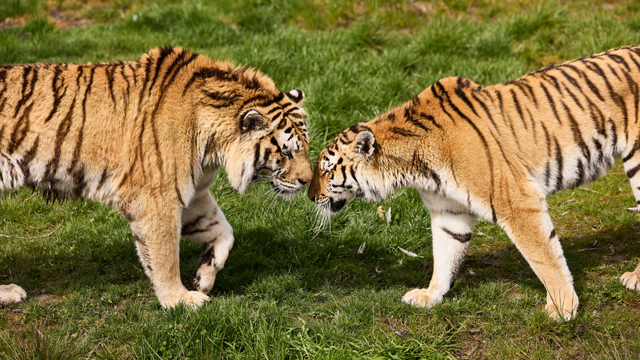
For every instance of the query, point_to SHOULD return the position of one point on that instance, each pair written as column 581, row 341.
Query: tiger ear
column 364, row 143
column 297, row 96
column 251, row 121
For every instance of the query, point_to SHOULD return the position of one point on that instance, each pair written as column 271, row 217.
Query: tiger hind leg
column 631, row 279
column 11, row 294
column 530, row 228
column 203, row 222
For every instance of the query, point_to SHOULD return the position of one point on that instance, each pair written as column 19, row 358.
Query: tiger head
column 345, row 169
column 255, row 130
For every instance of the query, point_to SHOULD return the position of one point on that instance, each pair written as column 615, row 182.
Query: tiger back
column 496, row 152
column 147, row 138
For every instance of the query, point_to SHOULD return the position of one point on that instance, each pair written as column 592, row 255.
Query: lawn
column 285, row 291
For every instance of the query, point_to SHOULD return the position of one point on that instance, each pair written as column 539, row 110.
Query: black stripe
column 182, row 65
column 614, row 136
column 633, row 86
column 426, row 117
column 552, row 79
column 635, row 148
column 551, row 103
column 571, row 79
column 78, row 182
column 147, row 70
column 178, row 192
column 402, row 132
column 631, row 173
column 266, row 155
column 577, row 135
column 546, row 174
column 109, row 70
column 164, row 52
column 575, row 99
column 593, row 87
column 547, row 139
column 615, row 73
column 620, row 60
column 169, row 72
column 125, row 92
column 553, row 234
column 103, row 178
column 486, row 110
column 440, row 99
column 522, row 85
column 28, row 157
column 597, row 117
column 518, row 108
column 63, row 130
column 464, row 98
column 598, row 146
column 76, row 151
column 20, row 131
column 256, row 156
column 23, row 96
column 56, row 92
column 463, row 238
column 275, row 142
column 635, row 62
column 187, row 232
column 191, row 223
column 559, row 166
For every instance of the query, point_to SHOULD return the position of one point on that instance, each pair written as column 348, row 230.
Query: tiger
column 147, row 137
column 495, row 152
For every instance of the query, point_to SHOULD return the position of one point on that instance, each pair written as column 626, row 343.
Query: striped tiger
column 495, row 152
column 147, row 138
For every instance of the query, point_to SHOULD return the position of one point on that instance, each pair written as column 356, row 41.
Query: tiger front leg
column 203, row 222
column 157, row 237
column 631, row 279
column 451, row 234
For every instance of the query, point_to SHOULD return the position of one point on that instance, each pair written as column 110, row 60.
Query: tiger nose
column 312, row 198
column 304, row 181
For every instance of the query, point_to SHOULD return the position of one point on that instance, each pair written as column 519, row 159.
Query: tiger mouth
column 284, row 191
column 337, row 205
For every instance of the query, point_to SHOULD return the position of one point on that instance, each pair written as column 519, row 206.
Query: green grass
column 284, row 292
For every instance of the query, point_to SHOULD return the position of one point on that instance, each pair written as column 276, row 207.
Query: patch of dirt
column 10, row 23
column 65, row 19
column 47, row 298
column 422, row 7
column 65, row 14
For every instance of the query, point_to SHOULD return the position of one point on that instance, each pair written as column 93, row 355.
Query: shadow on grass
column 265, row 254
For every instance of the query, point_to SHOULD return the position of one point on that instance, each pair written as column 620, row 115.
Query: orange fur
column 496, row 152
column 147, row 138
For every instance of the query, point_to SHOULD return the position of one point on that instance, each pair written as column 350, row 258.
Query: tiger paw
column 191, row 299
column 565, row 308
column 204, row 279
column 12, row 294
column 631, row 280
column 420, row 298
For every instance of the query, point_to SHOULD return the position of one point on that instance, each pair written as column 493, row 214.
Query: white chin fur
column 238, row 180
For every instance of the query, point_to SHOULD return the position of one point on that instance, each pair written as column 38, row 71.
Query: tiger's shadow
column 262, row 255
column 348, row 270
